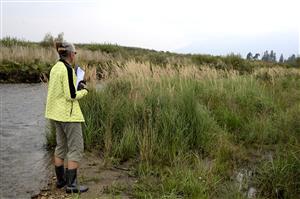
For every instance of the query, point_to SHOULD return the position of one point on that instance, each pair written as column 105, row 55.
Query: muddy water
column 24, row 162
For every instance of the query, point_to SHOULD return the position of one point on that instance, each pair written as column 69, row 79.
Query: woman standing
column 63, row 108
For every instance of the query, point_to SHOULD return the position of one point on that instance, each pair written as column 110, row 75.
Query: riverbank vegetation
column 30, row 62
column 199, row 132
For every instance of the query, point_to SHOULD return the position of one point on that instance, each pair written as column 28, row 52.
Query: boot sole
column 75, row 191
column 61, row 186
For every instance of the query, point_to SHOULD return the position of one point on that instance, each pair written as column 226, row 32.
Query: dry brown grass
column 90, row 76
column 107, row 66
column 142, row 71
column 87, row 56
column 25, row 54
column 272, row 74
column 277, row 71
column 28, row 54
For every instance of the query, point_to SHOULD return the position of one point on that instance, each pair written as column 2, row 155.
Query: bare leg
column 73, row 165
column 58, row 161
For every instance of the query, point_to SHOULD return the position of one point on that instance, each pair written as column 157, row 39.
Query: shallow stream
column 24, row 161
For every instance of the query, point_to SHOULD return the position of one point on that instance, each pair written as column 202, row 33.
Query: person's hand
column 82, row 85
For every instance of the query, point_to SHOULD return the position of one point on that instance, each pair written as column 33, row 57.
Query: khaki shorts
column 69, row 141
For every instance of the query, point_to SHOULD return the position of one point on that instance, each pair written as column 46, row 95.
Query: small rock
column 34, row 196
column 92, row 164
column 44, row 194
column 45, row 189
column 251, row 192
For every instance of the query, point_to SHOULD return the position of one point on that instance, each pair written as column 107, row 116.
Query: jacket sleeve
column 69, row 89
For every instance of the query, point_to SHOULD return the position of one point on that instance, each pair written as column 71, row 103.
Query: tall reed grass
column 191, row 130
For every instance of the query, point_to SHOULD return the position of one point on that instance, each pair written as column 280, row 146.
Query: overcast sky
column 189, row 26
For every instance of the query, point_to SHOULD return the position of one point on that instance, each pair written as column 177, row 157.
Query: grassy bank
column 199, row 132
column 25, row 61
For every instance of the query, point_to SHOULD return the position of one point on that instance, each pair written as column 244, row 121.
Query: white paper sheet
column 80, row 75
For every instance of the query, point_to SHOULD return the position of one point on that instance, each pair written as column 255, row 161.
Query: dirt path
column 103, row 181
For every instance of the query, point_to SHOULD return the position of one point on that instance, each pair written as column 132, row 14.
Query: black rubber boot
column 72, row 186
column 60, row 176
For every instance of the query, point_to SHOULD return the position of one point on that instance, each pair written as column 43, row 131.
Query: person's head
column 66, row 51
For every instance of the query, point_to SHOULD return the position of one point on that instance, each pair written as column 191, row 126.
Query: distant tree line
column 271, row 57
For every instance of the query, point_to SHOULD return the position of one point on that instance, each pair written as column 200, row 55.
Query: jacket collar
column 66, row 63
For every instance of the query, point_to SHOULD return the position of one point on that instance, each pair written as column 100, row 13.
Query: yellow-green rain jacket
column 62, row 100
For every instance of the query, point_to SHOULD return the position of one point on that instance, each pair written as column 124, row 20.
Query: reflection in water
column 24, row 162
